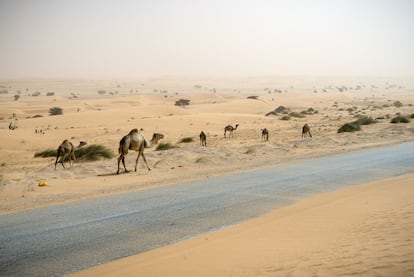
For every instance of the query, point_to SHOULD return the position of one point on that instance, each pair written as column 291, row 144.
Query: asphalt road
column 66, row 238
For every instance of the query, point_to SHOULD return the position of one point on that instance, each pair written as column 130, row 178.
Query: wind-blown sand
column 104, row 117
column 363, row 230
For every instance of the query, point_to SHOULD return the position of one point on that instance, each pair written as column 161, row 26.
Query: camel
column 136, row 141
column 230, row 129
column 265, row 134
column 66, row 149
column 306, row 129
column 203, row 139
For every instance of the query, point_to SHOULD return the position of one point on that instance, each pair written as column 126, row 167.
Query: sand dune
column 150, row 104
column 363, row 231
column 358, row 231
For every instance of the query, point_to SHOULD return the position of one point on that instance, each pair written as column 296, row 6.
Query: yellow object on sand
column 42, row 183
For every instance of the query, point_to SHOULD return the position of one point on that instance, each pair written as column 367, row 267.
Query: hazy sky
column 115, row 39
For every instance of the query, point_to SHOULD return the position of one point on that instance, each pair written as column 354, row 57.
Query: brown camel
column 66, row 149
column 265, row 134
column 203, row 139
column 305, row 130
column 136, row 141
column 230, row 129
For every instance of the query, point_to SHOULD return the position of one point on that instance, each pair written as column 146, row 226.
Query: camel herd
column 136, row 141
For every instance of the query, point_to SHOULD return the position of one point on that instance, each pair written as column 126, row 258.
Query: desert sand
column 102, row 111
column 364, row 230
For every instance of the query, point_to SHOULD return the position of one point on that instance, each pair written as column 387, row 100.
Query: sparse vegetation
column 186, row 140
column 253, row 97
column 4, row 91
column 350, row 127
column 365, row 120
column 92, row 152
column 164, row 146
column 46, row 153
column 400, row 119
column 295, row 114
column 398, row 104
column 50, row 94
column 182, row 102
column 356, row 125
column 285, row 117
column 101, row 92
column 16, row 97
column 55, row 111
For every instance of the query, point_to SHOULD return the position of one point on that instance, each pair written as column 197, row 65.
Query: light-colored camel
column 65, row 150
column 306, row 130
column 265, row 134
column 136, row 141
column 203, row 139
column 230, row 130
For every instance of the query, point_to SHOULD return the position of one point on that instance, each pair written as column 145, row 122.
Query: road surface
column 60, row 239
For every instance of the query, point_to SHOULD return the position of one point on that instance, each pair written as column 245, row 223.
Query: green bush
column 295, row 114
column 164, row 146
column 55, row 111
column 94, row 152
column 400, row 119
column 350, row 127
column 365, row 120
column 186, row 140
column 46, row 153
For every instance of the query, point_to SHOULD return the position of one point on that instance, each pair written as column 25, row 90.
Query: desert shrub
column 101, row 92
column 398, row 104
column 350, row 127
column 164, row 146
column 50, row 94
column 280, row 109
column 271, row 113
column 412, row 115
column 4, row 91
column 55, row 111
column 182, row 102
column 94, row 152
column 37, row 115
column 400, row 119
column 16, row 97
column 186, row 140
column 295, row 114
column 36, row 93
column 285, row 117
column 253, row 97
column 46, row 153
column 365, row 120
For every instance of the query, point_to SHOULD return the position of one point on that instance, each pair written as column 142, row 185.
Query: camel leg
column 57, row 158
column 145, row 160
column 63, row 160
column 121, row 158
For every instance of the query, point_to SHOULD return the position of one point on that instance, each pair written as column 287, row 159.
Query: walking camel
column 230, row 129
column 203, row 139
column 265, row 134
column 305, row 130
column 66, row 149
column 137, row 142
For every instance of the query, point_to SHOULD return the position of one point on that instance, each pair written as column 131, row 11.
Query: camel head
column 82, row 143
column 156, row 137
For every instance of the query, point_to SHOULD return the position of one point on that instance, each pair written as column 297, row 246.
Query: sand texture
column 102, row 112
column 363, row 230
